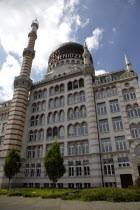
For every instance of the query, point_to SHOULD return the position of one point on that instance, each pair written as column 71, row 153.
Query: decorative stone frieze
column 23, row 81
column 29, row 52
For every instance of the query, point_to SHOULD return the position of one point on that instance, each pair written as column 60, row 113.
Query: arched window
column 42, row 119
column 61, row 114
column 56, row 117
column 83, row 111
column 108, row 91
column 56, row 89
column 113, row 91
column 41, row 135
column 75, row 84
column 70, row 130
column 38, row 106
column 44, row 93
column 70, row 87
column 32, row 121
column 51, row 103
column 77, row 113
column 126, row 95
column 62, row 101
column 37, row 120
column 77, row 129
column 55, row 132
column 50, row 118
column 136, row 110
column 76, row 98
column 49, row 133
column 31, row 136
column 84, row 128
column 70, row 114
column 82, row 96
column 137, row 150
column 34, row 107
column 35, row 95
column 56, row 102
column 62, row 88
column 132, row 93
column 51, row 91
column 70, row 99
column 61, row 132
column 134, row 131
column 129, row 111
column 36, row 135
column 81, row 83
column 43, row 106
column 40, row 94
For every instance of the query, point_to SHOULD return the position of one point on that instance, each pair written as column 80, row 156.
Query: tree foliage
column 12, row 164
column 53, row 163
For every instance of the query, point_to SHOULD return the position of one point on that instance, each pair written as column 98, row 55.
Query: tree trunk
column 9, row 183
column 53, row 187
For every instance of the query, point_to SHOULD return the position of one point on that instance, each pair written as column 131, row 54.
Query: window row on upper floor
column 56, row 102
column 77, row 129
column 37, row 120
column 133, row 110
column 75, row 84
column 77, row 112
column 34, row 151
column 114, row 107
column 40, row 94
column 116, row 121
column 57, row 116
column 105, row 92
column 76, row 97
column 39, row 106
column 129, row 94
column 37, row 135
column 56, row 89
column 106, row 144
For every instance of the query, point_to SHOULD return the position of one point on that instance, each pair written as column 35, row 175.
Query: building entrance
column 126, row 180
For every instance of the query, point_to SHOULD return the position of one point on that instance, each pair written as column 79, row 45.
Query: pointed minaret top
column 127, row 63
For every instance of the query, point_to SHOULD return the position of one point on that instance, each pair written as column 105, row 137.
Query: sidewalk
column 21, row 203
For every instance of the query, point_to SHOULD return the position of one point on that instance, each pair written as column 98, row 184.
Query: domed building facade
column 95, row 120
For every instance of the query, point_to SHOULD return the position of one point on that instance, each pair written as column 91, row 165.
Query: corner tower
column 22, row 85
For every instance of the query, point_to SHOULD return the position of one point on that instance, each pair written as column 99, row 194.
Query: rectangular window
column 103, row 125
column 108, row 167
column 123, row 162
column 86, row 167
column 120, row 143
column 117, row 123
column 38, row 170
column 114, row 106
column 1, row 140
column 71, row 148
column 106, row 145
column 29, row 152
column 71, row 168
column 78, row 168
column 61, row 149
column 134, row 132
column 101, row 108
column 85, row 147
column 27, row 170
column 78, row 148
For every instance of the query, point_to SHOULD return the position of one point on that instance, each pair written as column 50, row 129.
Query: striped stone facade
column 95, row 120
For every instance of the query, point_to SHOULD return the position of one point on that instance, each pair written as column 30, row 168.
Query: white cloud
column 59, row 20
column 131, row 2
column 114, row 29
column 93, row 41
column 9, row 70
column 98, row 72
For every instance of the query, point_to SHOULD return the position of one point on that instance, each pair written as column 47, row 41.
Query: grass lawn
column 93, row 194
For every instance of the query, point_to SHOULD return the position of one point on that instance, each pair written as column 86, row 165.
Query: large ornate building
column 95, row 120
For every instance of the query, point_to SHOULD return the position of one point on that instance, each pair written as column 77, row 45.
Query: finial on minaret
column 127, row 63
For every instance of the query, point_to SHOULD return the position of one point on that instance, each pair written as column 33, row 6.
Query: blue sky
column 110, row 27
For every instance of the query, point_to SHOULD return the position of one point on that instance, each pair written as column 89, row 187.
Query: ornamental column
column 92, row 121
column 22, row 85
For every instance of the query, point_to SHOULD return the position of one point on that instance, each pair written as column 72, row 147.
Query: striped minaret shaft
column 91, row 114
column 22, row 85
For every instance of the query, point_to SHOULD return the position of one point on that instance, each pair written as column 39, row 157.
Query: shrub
column 137, row 183
column 14, row 193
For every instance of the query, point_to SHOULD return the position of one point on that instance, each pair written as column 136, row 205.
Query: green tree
column 53, row 163
column 12, row 164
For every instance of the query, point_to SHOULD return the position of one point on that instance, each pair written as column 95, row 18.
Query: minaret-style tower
column 91, row 114
column 127, row 63
column 22, row 85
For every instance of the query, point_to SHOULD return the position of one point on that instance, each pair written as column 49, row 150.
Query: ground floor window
column 110, row 184
column 60, row 185
column 86, row 185
column 70, row 185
